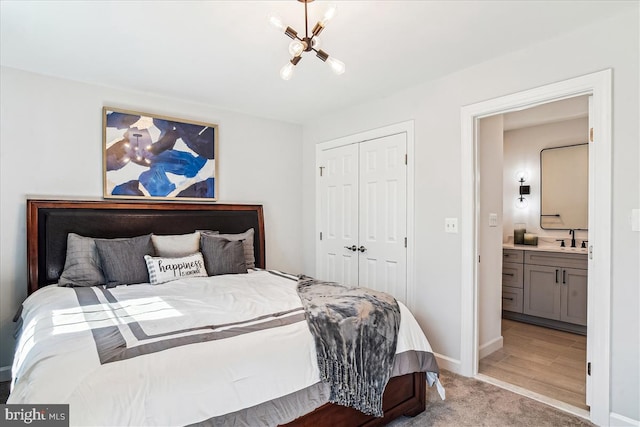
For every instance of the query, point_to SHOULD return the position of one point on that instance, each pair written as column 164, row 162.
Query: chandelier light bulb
column 276, row 22
column 296, row 48
column 315, row 42
column 286, row 72
column 336, row 65
column 329, row 14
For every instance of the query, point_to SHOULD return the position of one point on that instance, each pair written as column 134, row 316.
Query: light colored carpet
column 475, row 403
column 471, row 403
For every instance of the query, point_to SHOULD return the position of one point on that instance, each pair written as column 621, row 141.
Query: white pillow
column 163, row 270
column 176, row 245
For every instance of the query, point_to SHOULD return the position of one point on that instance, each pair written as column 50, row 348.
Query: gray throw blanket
column 356, row 332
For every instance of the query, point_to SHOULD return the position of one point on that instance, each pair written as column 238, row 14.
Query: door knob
column 362, row 248
column 352, row 248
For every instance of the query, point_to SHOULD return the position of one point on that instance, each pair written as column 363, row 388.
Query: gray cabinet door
column 574, row 296
column 542, row 291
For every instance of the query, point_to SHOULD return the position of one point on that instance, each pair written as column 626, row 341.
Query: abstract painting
column 155, row 157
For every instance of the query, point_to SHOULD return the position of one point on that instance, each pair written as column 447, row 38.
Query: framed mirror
column 564, row 187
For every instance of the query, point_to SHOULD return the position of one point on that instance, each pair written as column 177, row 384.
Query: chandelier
column 306, row 43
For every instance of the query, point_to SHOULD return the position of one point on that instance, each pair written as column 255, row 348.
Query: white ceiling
column 224, row 53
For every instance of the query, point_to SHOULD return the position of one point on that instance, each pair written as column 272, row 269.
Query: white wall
column 435, row 108
column 51, row 144
column 522, row 152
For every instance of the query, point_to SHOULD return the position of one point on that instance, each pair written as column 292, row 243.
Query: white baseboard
column 448, row 363
column 5, row 373
column 488, row 348
column 617, row 420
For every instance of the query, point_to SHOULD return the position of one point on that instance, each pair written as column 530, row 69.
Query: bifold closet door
column 363, row 215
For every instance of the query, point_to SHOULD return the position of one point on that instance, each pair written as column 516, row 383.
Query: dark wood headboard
column 50, row 221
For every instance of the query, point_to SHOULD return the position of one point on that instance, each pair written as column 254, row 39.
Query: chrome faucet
column 572, row 233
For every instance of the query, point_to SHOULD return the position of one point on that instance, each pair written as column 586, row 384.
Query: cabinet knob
column 352, row 248
column 362, row 249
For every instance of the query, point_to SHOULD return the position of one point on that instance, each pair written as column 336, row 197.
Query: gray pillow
column 123, row 259
column 82, row 266
column 247, row 243
column 222, row 256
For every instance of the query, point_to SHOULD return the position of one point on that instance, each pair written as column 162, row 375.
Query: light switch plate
column 451, row 225
column 493, row 220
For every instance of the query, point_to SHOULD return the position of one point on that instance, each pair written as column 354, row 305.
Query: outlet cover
column 635, row 219
column 451, row 225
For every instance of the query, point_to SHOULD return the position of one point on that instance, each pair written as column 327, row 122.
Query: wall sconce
column 521, row 202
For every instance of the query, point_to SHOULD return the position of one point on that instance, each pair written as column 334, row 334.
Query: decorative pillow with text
column 162, row 270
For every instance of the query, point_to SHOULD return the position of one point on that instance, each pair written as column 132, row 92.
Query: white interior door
column 363, row 214
column 338, row 187
column 383, row 215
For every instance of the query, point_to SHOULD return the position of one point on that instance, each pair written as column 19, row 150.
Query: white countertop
column 546, row 244
column 545, row 248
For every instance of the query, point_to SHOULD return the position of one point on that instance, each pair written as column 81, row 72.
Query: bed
column 182, row 348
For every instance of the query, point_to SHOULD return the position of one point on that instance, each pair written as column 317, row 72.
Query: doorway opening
column 539, row 340
column 598, row 86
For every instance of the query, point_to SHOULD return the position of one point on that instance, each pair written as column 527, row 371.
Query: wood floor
column 546, row 361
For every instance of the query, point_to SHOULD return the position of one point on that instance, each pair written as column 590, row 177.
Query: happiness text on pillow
column 182, row 268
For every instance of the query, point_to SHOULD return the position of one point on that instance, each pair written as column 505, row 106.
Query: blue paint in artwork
column 202, row 189
column 156, row 182
column 198, row 138
column 179, row 163
column 166, row 141
column 129, row 188
column 120, row 120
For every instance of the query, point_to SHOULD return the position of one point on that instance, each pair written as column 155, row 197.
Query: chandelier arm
column 291, row 33
column 306, row 21
column 321, row 54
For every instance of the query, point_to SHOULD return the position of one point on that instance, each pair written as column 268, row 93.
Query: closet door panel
column 383, row 217
column 339, row 215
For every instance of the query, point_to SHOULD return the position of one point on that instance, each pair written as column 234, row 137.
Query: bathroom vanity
column 545, row 286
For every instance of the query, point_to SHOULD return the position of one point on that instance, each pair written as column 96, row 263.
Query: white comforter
column 159, row 375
